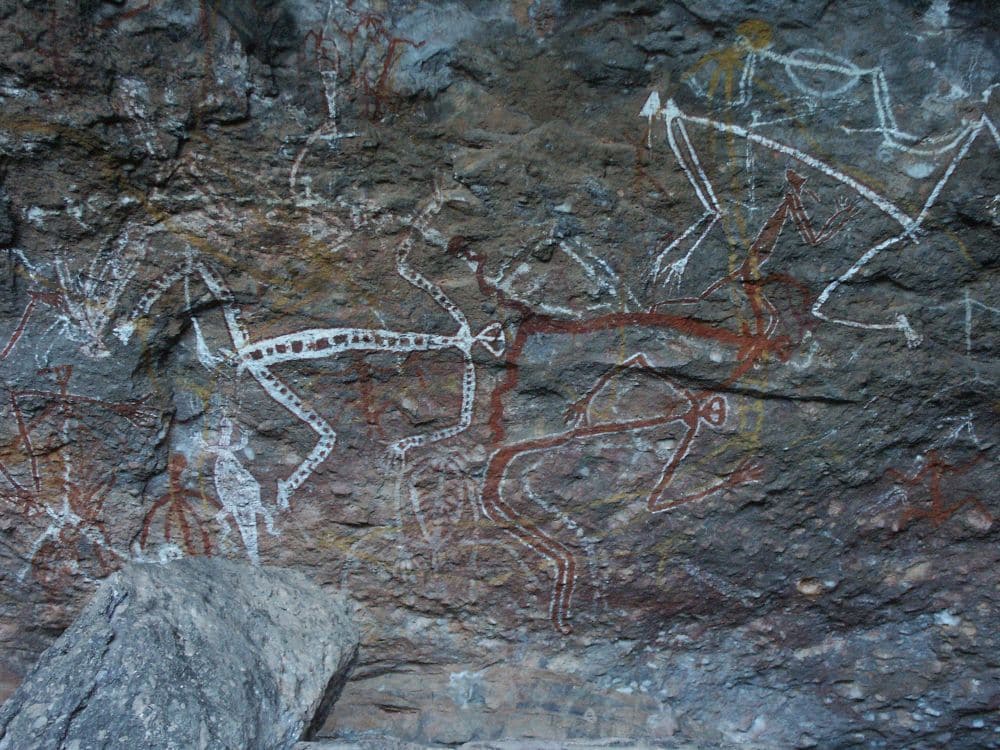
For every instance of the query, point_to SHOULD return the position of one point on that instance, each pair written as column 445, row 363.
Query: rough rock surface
column 519, row 744
column 634, row 363
column 196, row 653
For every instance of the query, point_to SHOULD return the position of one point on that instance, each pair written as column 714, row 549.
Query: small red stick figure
column 929, row 476
column 179, row 511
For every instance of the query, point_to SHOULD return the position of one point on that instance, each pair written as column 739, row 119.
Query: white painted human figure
column 675, row 122
column 258, row 357
column 754, row 46
column 237, row 490
column 329, row 130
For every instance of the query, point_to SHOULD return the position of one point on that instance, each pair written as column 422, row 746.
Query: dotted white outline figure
column 257, row 357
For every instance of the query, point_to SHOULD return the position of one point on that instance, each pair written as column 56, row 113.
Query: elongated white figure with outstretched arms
column 258, row 357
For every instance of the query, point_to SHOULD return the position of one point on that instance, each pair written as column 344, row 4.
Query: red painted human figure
column 927, row 481
column 180, row 513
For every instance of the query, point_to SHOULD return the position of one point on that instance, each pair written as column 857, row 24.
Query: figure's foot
column 562, row 627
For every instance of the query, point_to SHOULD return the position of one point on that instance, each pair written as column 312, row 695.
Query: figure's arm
column 747, row 472
column 831, row 227
column 577, row 414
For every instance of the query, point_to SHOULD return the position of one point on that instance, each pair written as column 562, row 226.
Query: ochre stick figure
column 929, row 476
column 177, row 500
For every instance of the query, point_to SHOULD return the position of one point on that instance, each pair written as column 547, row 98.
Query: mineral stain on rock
column 634, row 364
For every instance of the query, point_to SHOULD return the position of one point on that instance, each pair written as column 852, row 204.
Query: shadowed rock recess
column 633, row 364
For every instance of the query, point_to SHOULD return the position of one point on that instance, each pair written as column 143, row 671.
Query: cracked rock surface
column 634, row 364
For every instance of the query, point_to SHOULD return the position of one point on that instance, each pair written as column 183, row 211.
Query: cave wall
column 632, row 364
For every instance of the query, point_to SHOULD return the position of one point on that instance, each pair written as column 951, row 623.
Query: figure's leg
column 527, row 533
column 883, row 106
column 746, row 472
column 147, row 521
column 176, row 509
column 268, row 518
column 226, row 529
column 19, row 329
column 687, row 158
column 901, row 323
column 676, row 268
column 246, row 522
column 52, row 532
column 287, row 398
column 25, row 434
column 19, row 491
column 655, row 503
column 400, row 447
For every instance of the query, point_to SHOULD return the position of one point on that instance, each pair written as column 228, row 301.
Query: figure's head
column 713, row 410
column 178, row 462
column 755, row 33
column 795, row 180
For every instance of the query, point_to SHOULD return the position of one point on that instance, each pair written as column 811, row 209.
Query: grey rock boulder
column 197, row 653
column 388, row 743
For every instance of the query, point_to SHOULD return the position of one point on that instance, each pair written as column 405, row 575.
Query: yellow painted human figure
column 732, row 68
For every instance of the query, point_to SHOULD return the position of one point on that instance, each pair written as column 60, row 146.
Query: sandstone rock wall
column 633, row 363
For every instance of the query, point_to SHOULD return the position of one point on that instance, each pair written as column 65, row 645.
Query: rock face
column 196, row 653
column 633, row 363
